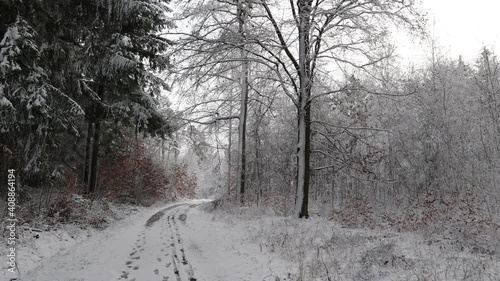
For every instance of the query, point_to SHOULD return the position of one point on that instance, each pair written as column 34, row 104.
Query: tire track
column 177, row 242
column 158, row 267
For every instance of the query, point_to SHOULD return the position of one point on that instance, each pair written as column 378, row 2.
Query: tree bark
column 87, row 154
column 229, row 152
column 242, row 14
column 97, row 115
column 304, row 141
column 92, row 184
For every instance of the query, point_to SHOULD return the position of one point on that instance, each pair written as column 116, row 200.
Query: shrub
column 134, row 177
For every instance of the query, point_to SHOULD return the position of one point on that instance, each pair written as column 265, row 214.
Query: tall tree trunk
column 303, row 162
column 229, row 152
column 304, row 141
column 87, row 153
column 163, row 151
column 98, row 114
column 92, row 184
column 242, row 15
column 257, row 157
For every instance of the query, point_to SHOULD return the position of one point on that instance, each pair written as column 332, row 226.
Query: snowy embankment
column 321, row 249
column 39, row 241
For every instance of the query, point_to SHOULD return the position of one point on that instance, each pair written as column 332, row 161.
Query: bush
column 185, row 183
column 135, row 177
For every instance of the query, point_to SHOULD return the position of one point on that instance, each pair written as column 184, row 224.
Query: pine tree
column 60, row 60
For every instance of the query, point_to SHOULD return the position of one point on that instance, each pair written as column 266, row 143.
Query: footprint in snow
column 128, row 262
column 135, row 267
column 159, row 259
column 136, row 258
column 156, row 271
column 124, row 275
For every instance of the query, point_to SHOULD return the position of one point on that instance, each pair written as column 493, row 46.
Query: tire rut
column 177, row 242
column 171, row 239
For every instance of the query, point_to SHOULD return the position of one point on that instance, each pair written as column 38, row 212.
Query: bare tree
column 347, row 34
column 242, row 14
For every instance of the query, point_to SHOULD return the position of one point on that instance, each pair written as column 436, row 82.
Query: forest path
column 176, row 243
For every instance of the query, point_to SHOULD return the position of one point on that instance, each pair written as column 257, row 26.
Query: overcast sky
column 461, row 27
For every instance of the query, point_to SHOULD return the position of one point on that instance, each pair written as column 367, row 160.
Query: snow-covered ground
column 187, row 241
column 174, row 242
column 322, row 249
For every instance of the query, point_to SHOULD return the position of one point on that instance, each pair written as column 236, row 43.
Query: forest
column 329, row 116
column 301, row 109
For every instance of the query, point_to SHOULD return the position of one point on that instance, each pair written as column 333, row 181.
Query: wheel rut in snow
column 176, row 242
column 156, row 217
column 164, row 256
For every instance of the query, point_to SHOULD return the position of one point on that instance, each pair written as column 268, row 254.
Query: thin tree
column 215, row 49
column 242, row 14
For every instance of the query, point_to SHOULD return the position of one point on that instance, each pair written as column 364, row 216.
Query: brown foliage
column 357, row 212
column 68, row 186
column 134, row 176
column 185, row 183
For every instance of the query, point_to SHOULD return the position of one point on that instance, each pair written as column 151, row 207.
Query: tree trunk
column 258, row 114
column 304, row 142
column 229, row 152
column 87, row 154
column 242, row 13
column 303, row 162
column 92, row 184
column 97, row 115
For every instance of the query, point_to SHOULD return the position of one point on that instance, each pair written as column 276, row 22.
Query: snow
column 324, row 250
column 190, row 241
column 220, row 250
column 5, row 102
column 97, row 258
column 42, row 243
column 180, row 238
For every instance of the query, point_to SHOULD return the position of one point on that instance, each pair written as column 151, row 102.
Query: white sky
column 461, row 27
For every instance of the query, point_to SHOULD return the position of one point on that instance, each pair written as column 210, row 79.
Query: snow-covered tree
column 61, row 60
column 309, row 38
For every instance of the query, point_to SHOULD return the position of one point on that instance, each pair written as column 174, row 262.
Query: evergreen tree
column 60, row 60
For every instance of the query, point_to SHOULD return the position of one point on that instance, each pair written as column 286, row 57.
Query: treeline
column 324, row 112
column 376, row 151
column 330, row 116
column 80, row 82
column 415, row 155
